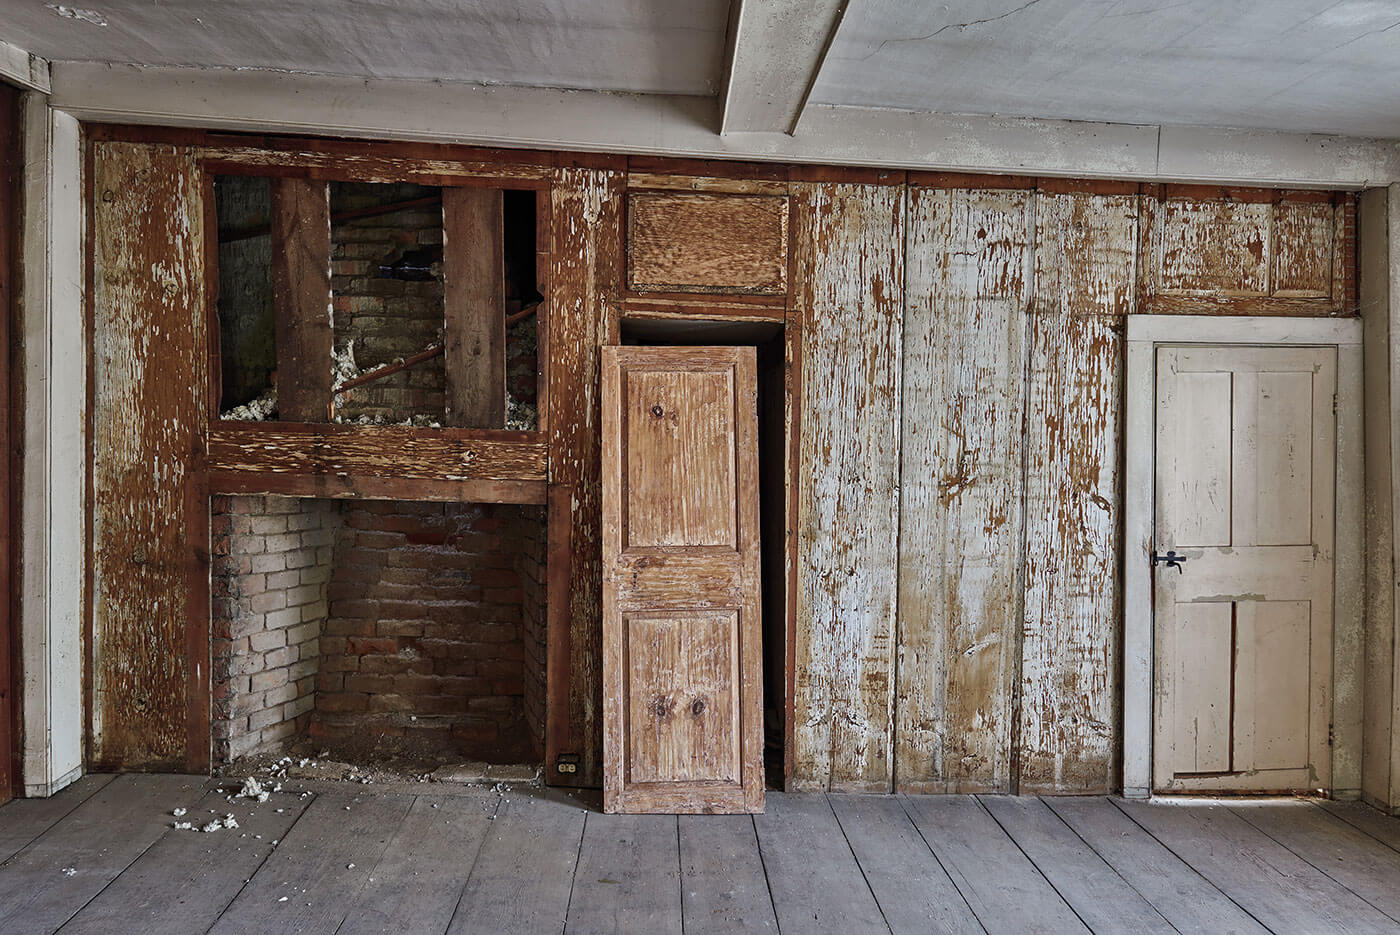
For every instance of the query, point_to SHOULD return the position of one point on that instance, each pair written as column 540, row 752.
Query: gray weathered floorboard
column 415, row 886
column 305, row 885
column 524, row 871
column 1101, row 898
column 723, row 888
column 1384, row 828
column 1189, row 901
column 1280, row 889
column 914, row 891
column 816, row 884
column 628, row 876
column 1348, row 855
column 1004, row 889
column 23, row 820
column 45, row 884
column 187, row 878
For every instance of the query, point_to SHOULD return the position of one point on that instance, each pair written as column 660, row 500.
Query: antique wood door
column 682, row 660
column 1245, row 491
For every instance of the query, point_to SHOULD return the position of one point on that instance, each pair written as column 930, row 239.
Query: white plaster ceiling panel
column 1319, row 66
column 615, row 45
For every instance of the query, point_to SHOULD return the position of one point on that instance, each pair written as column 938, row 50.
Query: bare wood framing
column 301, row 295
column 474, row 294
column 1144, row 334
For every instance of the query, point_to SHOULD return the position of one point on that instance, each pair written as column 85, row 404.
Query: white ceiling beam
column 774, row 51
column 23, row 68
column 494, row 115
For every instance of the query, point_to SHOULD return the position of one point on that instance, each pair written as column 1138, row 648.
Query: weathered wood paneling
column 301, row 294
column 474, row 299
column 149, row 408
column 1067, row 736
column 378, row 451
column 968, row 288
column 719, row 243
column 848, row 276
column 585, row 278
column 1246, row 252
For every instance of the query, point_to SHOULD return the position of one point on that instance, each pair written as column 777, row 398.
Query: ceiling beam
column 774, row 52
column 543, row 118
column 23, row 68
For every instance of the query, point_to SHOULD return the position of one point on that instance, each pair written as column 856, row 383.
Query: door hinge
column 1329, row 735
column 1334, row 404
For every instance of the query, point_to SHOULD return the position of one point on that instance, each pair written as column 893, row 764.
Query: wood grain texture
column 474, row 296
column 1068, row 733
column 628, row 877
column 11, row 168
column 301, row 298
column 682, row 637
column 968, row 288
column 149, row 408
column 1247, row 252
column 722, row 243
column 382, row 451
column 723, row 886
column 585, row 277
column 849, row 273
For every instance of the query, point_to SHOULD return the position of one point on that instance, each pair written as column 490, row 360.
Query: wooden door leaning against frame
column 682, row 661
column 1246, row 442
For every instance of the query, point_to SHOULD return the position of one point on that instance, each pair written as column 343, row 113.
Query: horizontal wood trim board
column 382, row 452
column 531, row 492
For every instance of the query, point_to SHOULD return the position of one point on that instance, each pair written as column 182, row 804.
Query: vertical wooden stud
column 474, row 295
column 301, row 290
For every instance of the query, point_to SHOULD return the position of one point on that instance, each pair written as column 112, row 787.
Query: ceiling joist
column 774, row 51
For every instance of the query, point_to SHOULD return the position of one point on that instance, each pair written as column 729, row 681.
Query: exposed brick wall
column 530, row 572
column 424, row 637
column 387, row 318
column 271, row 568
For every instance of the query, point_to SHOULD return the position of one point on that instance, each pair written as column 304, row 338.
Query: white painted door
column 1245, row 481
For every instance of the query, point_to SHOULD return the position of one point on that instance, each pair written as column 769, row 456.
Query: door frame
column 1145, row 333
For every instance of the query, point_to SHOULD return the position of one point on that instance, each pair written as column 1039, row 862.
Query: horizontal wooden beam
column 540, row 118
column 377, row 488
column 359, row 452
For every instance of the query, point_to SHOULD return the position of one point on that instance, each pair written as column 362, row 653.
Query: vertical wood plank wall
column 958, row 345
column 148, row 409
column 849, row 242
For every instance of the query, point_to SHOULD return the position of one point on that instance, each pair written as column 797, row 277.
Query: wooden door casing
column 1246, row 467
column 682, row 655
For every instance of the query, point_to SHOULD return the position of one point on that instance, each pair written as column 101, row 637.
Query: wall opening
column 768, row 338
column 378, row 629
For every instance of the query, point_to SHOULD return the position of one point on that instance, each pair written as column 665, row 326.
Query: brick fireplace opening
column 378, row 627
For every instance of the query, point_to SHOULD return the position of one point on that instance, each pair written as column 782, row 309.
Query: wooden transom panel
column 707, row 243
column 679, row 474
column 681, row 671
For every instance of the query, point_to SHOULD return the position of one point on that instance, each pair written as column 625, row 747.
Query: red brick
column 367, row 645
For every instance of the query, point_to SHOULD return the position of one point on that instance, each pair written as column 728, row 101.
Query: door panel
column 1245, row 468
column 682, row 658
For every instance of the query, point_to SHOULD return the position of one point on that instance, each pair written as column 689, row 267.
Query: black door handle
column 1171, row 560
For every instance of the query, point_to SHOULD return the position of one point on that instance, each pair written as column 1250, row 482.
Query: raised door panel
column 682, row 660
column 714, row 243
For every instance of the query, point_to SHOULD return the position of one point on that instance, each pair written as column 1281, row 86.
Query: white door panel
column 1245, row 469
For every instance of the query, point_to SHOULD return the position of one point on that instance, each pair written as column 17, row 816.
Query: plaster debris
column 70, row 871
column 252, row 789
column 178, row 813
column 91, row 17
column 182, row 825
column 218, row 824
column 257, row 410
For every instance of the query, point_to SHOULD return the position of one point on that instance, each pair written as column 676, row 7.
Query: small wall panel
column 1247, row 252
column 850, row 271
column 149, row 410
column 715, row 243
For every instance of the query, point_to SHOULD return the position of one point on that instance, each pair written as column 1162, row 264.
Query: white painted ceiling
column 649, row 46
column 1299, row 65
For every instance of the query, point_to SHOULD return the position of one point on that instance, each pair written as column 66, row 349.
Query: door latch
column 1171, row 560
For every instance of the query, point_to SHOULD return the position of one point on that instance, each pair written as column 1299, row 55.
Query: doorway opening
column 768, row 338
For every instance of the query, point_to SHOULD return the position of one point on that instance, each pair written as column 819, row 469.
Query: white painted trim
column 22, row 68
column 1145, row 332
column 262, row 101
column 52, row 477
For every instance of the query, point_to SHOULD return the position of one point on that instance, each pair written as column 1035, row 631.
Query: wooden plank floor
column 102, row 857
